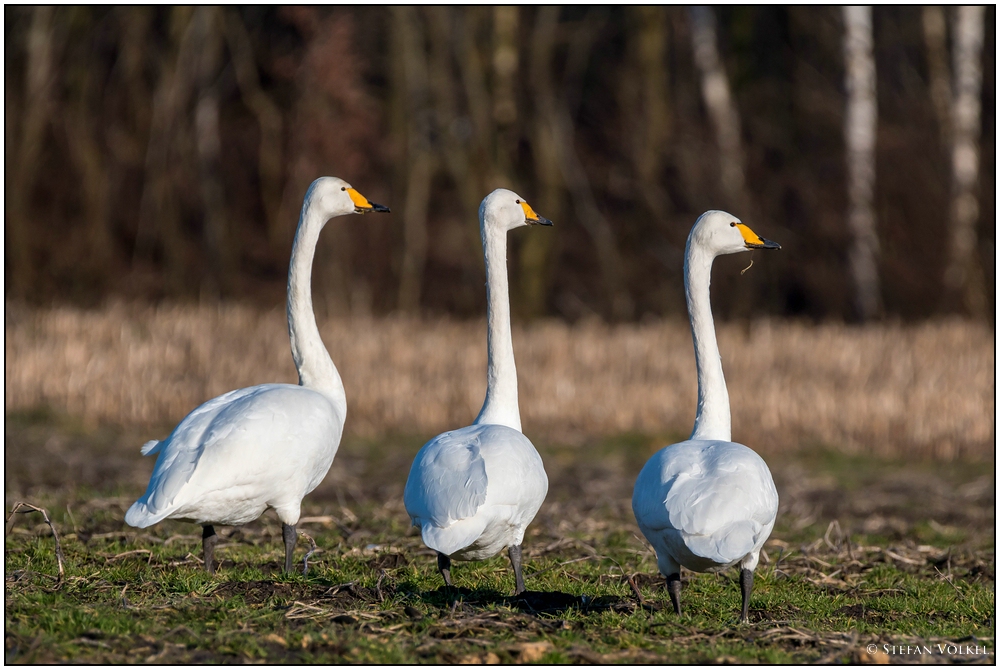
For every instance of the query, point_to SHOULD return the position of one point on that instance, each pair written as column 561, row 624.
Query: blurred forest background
column 160, row 153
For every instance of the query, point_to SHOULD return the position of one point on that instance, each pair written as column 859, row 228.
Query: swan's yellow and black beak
column 532, row 218
column 362, row 205
column 753, row 240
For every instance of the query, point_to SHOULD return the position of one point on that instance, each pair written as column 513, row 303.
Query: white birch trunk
column 961, row 275
column 860, row 127
column 720, row 104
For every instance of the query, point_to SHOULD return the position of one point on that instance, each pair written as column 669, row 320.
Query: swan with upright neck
column 473, row 491
column 707, row 503
column 265, row 446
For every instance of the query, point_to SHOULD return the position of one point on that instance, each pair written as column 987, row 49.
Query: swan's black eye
column 732, row 225
column 518, row 202
column 343, row 188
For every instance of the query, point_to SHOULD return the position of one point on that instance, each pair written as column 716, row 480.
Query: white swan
column 264, row 446
column 707, row 503
column 473, row 491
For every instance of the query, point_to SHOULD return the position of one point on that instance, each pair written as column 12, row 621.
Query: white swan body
column 269, row 445
column 473, row 491
column 241, row 453
column 707, row 503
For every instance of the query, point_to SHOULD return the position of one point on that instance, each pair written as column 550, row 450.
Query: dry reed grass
column 892, row 390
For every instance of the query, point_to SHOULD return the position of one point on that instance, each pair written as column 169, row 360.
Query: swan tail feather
column 150, row 448
column 454, row 537
column 139, row 515
column 727, row 545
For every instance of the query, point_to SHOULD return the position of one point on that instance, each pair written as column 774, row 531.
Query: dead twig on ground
column 312, row 550
column 635, row 590
column 149, row 555
column 28, row 507
column 947, row 578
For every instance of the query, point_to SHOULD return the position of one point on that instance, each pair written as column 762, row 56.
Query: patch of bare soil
column 388, row 561
column 261, row 591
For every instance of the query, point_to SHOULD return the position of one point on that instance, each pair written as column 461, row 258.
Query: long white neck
column 713, row 421
column 500, row 406
column 316, row 369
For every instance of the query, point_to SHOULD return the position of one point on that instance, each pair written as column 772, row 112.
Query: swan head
column 722, row 233
column 508, row 210
column 336, row 198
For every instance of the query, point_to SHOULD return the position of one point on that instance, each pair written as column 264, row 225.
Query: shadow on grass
column 326, row 592
column 528, row 602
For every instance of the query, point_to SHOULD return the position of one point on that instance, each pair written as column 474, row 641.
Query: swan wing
column 515, row 468
column 236, row 433
column 178, row 457
column 447, row 481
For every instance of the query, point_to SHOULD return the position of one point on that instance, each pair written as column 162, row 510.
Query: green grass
column 158, row 605
column 910, row 560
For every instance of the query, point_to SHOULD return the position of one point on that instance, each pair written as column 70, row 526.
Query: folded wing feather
column 448, row 480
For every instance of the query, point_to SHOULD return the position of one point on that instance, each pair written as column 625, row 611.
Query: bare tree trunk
column 158, row 210
column 418, row 189
column 721, row 107
column 82, row 130
column 652, row 120
column 420, row 160
column 963, row 277
column 23, row 169
column 217, row 243
column 135, row 26
column 455, row 133
column 471, row 22
column 270, row 156
column 505, row 68
column 594, row 222
column 15, row 255
column 131, row 127
column 936, row 41
column 536, row 249
column 556, row 116
column 473, row 73
column 860, row 129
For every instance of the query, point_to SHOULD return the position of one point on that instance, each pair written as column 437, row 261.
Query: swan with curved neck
column 707, row 503
column 473, row 491
column 265, row 446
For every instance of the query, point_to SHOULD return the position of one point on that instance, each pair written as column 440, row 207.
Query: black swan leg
column 674, row 589
column 515, row 560
column 746, row 586
column 444, row 566
column 208, row 541
column 291, row 537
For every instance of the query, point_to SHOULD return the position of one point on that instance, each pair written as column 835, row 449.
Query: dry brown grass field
column 891, row 390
